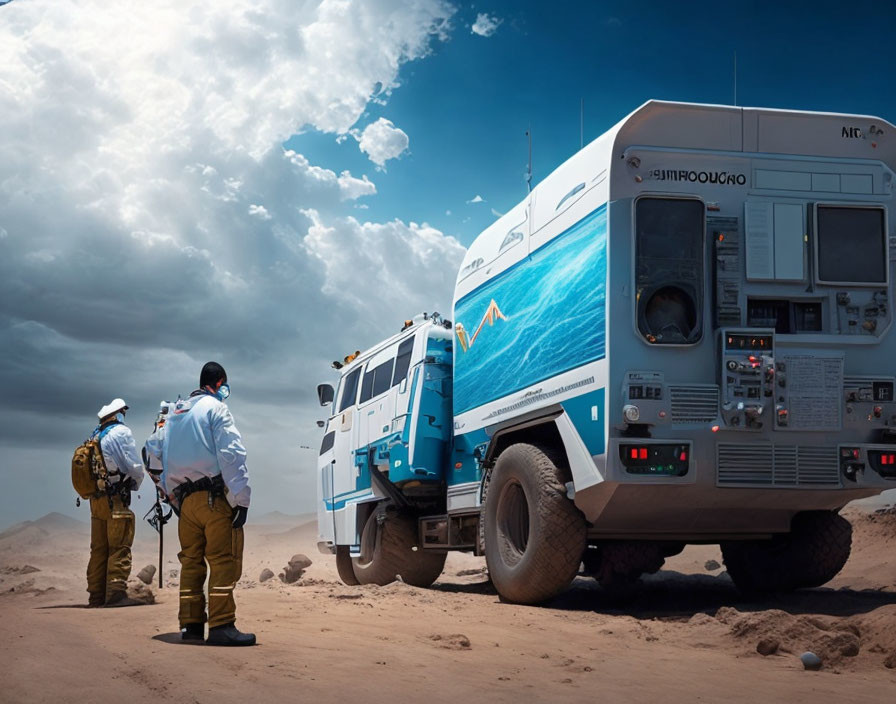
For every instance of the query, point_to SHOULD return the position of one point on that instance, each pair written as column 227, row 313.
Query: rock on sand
column 295, row 569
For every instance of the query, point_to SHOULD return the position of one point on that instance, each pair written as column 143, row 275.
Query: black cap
column 211, row 373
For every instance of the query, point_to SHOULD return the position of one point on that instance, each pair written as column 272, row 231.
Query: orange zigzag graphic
column 492, row 314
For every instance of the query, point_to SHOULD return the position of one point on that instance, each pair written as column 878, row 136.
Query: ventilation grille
column 765, row 464
column 696, row 403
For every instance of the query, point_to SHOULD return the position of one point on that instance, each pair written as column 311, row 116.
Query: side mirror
column 325, row 394
column 320, row 424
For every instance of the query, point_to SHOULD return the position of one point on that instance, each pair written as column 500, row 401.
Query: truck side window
column 349, row 390
column 669, row 269
column 376, row 380
column 403, row 361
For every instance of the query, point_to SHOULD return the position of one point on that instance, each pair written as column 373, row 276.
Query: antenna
column 735, row 78
column 582, row 125
column 529, row 169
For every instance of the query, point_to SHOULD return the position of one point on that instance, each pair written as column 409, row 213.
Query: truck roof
column 407, row 332
column 693, row 126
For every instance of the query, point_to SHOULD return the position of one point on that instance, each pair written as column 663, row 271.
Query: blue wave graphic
column 555, row 307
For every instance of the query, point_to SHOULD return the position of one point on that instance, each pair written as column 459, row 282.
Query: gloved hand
column 239, row 516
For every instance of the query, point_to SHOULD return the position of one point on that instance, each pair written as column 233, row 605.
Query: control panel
column 862, row 312
column 645, row 398
column 748, row 378
column 869, row 402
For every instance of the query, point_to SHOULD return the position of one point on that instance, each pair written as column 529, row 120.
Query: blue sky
column 151, row 220
column 467, row 106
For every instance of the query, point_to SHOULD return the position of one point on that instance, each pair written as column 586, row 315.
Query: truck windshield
column 349, row 390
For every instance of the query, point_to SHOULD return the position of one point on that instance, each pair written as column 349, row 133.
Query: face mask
column 119, row 417
column 223, row 392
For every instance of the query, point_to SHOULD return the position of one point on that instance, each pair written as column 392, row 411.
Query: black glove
column 239, row 516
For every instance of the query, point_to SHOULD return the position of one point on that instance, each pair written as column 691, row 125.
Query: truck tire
column 534, row 535
column 387, row 553
column 812, row 554
column 344, row 566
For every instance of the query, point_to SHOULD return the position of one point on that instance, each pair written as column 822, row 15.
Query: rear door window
column 376, row 380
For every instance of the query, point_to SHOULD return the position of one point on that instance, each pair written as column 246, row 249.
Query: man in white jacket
column 111, row 519
column 204, row 475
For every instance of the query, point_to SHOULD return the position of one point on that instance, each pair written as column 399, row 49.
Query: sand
column 687, row 636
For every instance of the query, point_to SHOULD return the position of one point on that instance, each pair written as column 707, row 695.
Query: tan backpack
column 88, row 466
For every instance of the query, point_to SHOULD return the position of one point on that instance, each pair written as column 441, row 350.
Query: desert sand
column 686, row 636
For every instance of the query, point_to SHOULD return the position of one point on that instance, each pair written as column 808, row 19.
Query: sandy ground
column 685, row 637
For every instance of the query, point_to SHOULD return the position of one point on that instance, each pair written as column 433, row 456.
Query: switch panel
column 748, row 377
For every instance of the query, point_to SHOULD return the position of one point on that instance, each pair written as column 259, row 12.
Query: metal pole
column 161, row 538
column 735, row 78
column 529, row 170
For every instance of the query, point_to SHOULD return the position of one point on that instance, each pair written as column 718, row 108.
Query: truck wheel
column 534, row 535
column 387, row 553
column 344, row 566
column 812, row 553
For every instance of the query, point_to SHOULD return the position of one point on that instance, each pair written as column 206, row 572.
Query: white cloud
column 485, row 25
column 497, row 214
column 259, row 211
column 170, row 185
column 447, row 212
column 410, row 267
column 476, row 199
column 381, row 141
column 352, row 188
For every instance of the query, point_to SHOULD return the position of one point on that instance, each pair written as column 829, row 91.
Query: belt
column 213, row 485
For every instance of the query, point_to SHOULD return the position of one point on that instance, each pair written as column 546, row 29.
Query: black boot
column 228, row 635
column 193, row 632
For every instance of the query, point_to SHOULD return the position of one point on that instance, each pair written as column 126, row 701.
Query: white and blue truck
column 682, row 335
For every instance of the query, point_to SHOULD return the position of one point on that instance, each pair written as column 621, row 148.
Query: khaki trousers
column 111, row 537
column 207, row 535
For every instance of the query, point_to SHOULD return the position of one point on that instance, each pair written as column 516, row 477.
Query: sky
column 275, row 184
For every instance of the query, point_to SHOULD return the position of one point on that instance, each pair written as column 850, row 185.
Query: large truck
column 682, row 335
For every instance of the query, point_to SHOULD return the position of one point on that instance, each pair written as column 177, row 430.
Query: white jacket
column 200, row 440
column 120, row 454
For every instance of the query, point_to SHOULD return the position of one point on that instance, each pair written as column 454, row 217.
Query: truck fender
column 586, row 471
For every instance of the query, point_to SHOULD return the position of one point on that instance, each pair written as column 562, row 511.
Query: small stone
column 146, row 574
column 300, row 562
column 810, row 661
column 28, row 569
column 767, row 646
column 711, row 566
column 890, row 662
column 265, row 575
column 295, row 569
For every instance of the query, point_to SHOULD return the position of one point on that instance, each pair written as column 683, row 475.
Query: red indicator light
column 683, row 457
column 634, row 453
column 642, row 453
column 855, row 454
column 884, row 459
column 752, row 358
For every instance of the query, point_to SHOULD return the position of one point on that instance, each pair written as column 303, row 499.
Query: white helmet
column 115, row 406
